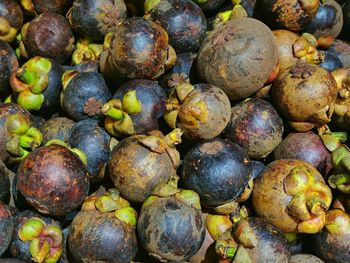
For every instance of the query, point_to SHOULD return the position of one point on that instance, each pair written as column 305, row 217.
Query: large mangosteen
column 238, row 56
column 53, row 180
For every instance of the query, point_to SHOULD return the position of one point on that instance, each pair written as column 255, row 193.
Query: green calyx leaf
column 189, row 198
column 130, row 103
column 82, row 156
column 150, row 5
column 127, row 215
column 86, row 51
column 30, row 101
column 31, row 229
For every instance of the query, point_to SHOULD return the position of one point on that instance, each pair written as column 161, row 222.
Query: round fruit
column 238, row 56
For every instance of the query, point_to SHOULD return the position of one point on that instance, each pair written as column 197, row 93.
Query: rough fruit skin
column 184, row 21
column 170, row 230
column 304, row 93
column 269, row 243
column 138, row 50
column 217, row 170
column 53, row 180
column 136, row 170
column 238, row 56
column 49, row 35
column 101, row 237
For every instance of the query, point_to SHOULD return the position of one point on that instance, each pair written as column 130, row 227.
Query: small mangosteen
column 35, row 7
column 202, row 111
column 94, row 141
column 250, row 240
column 305, row 258
column 328, row 21
column 47, row 35
column 11, row 20
column 56, row 128
column 256, row 126
column 171, row 227
column 292, row 195
column 231, row 44
column 141, row 163
column 6, row 228
column 306, row 146
column 183, row 20
column 137, row 107
column 8, row 64
column 36, row 238
column 293, row 15
column 341, row 49
column 93, row 19
column 17, row 135
column 333, row 243
column 84, row 94
column 218, row 170
column 104, row 230
column 53, row 180
column 304, row 95
column 37, row 86
column 138, row 49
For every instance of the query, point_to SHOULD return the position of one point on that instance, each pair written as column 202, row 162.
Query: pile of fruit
column 197, row 131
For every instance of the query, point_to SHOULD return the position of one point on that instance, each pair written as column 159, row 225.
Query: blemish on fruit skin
column 265, row 115
column 223, row 71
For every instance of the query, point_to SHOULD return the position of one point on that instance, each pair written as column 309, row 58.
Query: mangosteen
column 341, row 49
column 293, row 15
column 53, row 180
column 57, row 128
column 17, row 136
column 305, row 258
column 94, row 141
column 328, row 21
column 136, row 108
column 48, row 35
column 333, row 243
column 93, row 19
column 37, row 86
column 180, row 72
column 8, row 64
column 35, row 7
column 306, row 146
column 104, row 230
column 238, row 56
column 84, row 94
column 292, row 195
column 256, row 126
column 36, row 238
column 304, row 95
column 141, row 163
column 218, row 170
column 251, row 240
column 183, row 20
column 6, row 228
column 138, row 49
column 11, row 20
column 202, row 111
column 171, row 228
